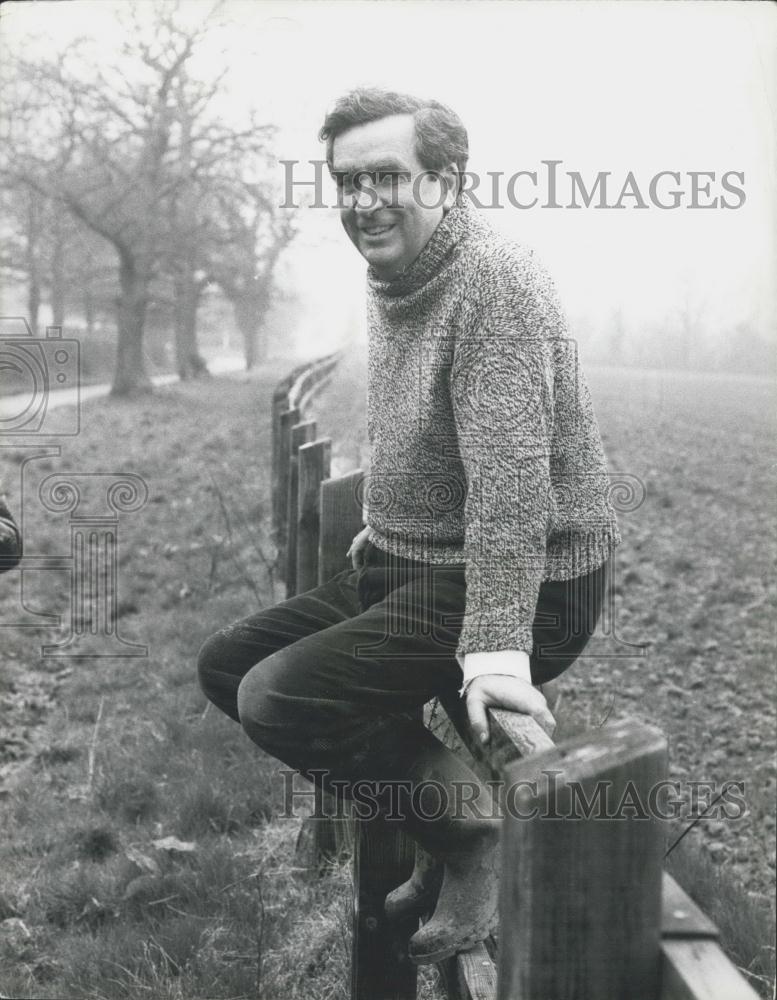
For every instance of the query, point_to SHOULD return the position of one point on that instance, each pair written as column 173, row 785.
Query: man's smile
column 376, row 230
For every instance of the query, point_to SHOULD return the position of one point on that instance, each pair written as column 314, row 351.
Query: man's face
column 390, row 205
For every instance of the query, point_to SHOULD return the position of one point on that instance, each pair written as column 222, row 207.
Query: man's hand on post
column 357, row 545
column 503, row 691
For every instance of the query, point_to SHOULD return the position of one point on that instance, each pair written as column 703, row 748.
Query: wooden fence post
column 301, row 433
column 341, row 520
column 380, row 968
column 315, row 461
column 580, row 907
column 293, row 393
column 280, row 403
column 287, row 420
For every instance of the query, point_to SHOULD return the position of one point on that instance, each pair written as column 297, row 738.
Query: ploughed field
column 695, row 584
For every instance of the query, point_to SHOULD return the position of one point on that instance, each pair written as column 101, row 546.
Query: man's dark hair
column 440, row 134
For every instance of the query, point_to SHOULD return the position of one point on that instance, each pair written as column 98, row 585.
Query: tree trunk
column 189, row 362
column 33, row 302
column 131, row 376
column 187, row 290
column 89, row 307
column 250, row 309
column 33, row 270
column 57, row 268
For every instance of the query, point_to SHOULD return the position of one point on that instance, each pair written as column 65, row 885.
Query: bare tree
column 130, row 150
column 106, row 165
column 254, row 233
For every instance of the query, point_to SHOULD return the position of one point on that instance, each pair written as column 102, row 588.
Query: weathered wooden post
column 380, row 968
column 580, row 908
column 293, row 393
column 301, row 433
column 341, row 520
column 280, row 403
column 287, row 420
column 315, row 461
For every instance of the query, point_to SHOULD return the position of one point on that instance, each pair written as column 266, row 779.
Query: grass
column 130, row 753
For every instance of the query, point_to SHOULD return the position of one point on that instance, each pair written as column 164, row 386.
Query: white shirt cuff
column 508, row 662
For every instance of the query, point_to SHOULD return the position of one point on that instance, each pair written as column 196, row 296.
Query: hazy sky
column 618, row 87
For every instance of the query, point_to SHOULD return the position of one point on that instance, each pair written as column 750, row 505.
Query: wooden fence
column 586, row 911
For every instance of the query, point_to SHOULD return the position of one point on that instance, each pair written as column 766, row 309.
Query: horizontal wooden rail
column 693, row 965
column 312, row 380
column 512, row 736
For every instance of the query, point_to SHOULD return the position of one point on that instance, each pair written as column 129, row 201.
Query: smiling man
column 481, row 568
column 392, row 202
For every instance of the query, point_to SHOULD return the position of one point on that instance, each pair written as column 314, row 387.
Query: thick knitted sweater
column 485, row 446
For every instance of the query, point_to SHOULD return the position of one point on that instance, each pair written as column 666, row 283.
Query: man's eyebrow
column 375, row 167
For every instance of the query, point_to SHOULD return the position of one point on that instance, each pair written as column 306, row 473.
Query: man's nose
column 365, row 198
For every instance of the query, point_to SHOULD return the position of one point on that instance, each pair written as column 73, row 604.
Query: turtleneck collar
column 461, row 219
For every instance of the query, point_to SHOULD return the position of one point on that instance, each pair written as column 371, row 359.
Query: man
column 488, row 527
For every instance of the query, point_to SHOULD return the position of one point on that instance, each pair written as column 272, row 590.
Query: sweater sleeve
column 502, row 395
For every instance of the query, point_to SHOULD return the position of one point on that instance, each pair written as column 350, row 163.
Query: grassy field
column 103, row 761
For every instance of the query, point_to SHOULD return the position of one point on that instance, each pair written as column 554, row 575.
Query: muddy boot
column 467, row 906
column 453, row 819
column 433, row 796
column 419, row 894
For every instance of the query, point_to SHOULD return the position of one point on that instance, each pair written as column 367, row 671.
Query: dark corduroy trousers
column 332, row 679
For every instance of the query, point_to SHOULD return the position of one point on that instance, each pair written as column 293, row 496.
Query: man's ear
column 451, row 179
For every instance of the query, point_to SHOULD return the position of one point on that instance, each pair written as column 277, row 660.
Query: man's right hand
column 356, row 551
column 502, row 691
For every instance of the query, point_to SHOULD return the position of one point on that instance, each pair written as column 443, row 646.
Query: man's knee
column 265, row 709
column 211, row 660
